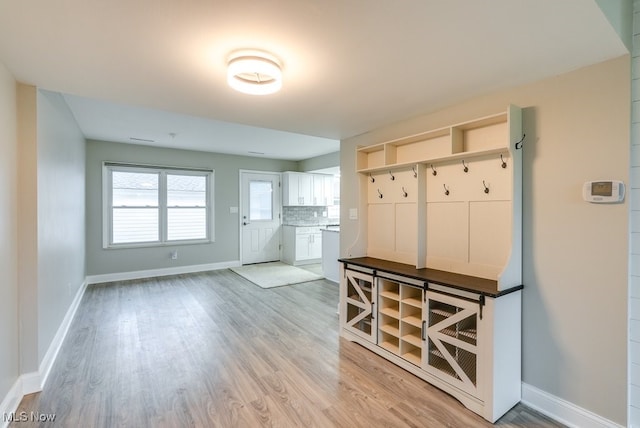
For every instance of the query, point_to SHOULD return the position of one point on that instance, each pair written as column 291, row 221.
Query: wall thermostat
column 603, row 192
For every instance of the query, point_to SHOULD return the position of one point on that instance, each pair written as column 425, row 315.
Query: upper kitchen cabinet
column 304, row 189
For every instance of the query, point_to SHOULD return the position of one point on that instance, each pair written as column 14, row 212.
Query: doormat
column 274, row 274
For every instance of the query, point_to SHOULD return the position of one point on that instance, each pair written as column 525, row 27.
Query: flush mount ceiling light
column 254, row 74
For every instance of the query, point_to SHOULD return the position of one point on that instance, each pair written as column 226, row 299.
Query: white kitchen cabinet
column 318, row 190
column 301, row 244
column 304, row 189
column 327, row 182
column 331, row 253
column 322, row 189
column 297, row 189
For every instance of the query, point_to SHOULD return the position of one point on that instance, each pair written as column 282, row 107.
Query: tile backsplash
column 305, row 216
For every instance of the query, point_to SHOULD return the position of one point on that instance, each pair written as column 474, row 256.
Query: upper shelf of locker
column 484, row 136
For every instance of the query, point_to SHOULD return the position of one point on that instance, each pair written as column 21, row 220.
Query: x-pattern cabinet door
column 452, row 340
column 360, row 302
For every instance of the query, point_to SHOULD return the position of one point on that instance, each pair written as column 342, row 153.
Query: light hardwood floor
column 214, row 350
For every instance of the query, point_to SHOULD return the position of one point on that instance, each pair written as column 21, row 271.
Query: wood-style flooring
column 214, row 350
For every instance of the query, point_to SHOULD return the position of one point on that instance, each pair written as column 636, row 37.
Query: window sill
column 157, row 244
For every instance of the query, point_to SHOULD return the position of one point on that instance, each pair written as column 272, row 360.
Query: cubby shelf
column 390, row 295
column 390, row 346
column 413, row 302
column 415, row 341
column 435, row 160
column 482, row 136
column 390, row 312
column 388, row 328
column 413, row 320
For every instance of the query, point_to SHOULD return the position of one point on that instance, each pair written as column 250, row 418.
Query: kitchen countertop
column 331, row 226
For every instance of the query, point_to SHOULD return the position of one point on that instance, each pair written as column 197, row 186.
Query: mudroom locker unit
column 438, row 289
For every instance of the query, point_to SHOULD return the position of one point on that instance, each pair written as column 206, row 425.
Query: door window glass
column 260, row 200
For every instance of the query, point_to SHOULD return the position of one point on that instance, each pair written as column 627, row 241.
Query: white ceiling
column 148, row 69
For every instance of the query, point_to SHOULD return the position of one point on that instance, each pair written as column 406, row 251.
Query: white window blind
column 156, row 205
column 186, row 207
column 135, row 209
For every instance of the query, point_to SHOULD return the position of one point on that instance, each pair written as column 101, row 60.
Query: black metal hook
column 466, row 168
column 379, row 194
column 434, row 170
column 373, row 180
column 486, row 189
column 415, row 173
column 404, row 192
column 392, row 176
column 504, row 164
column 521, row 142
column 446, row 191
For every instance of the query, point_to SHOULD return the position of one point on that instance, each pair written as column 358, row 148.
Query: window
column 147, row 206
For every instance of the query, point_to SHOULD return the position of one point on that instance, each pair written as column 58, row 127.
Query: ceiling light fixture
column 254, row 74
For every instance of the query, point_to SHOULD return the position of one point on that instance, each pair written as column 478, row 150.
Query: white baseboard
column 11, row 402
column 31, row 382
column 49, row 358
column 562, row 410
column 139, row 274
column 28, row 383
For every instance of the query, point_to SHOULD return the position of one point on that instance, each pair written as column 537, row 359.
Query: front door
column 260, row 216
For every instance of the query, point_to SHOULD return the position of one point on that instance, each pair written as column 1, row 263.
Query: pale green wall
column 28, row 226
column 620, row 16
column 320, row 162
column 226, row 246
column 9, row 340
column 60, row 217
column 574, row 253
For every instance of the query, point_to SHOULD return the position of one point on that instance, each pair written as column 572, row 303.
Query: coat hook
column 415, row 173
column 486, row 189
column 466, row 168
column 446, row 191
column 379, row 194
column 373, row 180
column 504, row 164
column 404, row 192
column 519, row 143
column 392, row 176
column 434, row 170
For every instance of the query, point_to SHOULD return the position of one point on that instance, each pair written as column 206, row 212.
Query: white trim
column 11, row 402
column 108, row 168
column 31, row 382
column 52, row 353
column 28, row 383
column 139, row 274
column 561, row 410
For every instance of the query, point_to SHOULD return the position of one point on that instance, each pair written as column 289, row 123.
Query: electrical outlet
column 174, row 255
